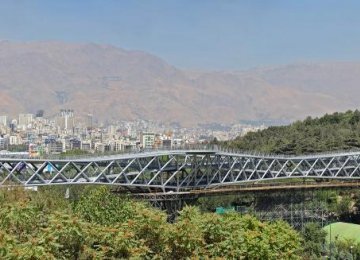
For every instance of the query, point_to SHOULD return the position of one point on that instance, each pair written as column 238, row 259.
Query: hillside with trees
column 335, row 132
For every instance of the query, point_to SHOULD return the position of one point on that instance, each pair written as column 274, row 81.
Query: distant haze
column 213, row 35
column 114, row 83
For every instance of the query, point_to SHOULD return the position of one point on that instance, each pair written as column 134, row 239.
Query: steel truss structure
column 295, row 207
column 296, row 215
column 176, row 171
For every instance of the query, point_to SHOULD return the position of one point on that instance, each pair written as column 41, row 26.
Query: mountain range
column 112, row 83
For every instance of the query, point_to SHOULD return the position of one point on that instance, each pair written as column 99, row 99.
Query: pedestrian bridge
column 176, row 170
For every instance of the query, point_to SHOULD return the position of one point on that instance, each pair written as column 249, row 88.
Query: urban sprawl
column 38, row 135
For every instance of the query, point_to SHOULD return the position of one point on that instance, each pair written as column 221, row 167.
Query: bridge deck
column 177, row 170
column 246, row 189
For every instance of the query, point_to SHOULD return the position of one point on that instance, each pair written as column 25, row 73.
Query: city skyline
column 36, row 135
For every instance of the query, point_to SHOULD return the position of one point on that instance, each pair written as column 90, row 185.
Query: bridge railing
column 273, row 184
column 290, row 156
column 187, row 147
column 114, row 153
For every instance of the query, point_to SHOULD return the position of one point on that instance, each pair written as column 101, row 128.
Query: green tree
column 344, row 205
column 100, row 206
column 314, row 240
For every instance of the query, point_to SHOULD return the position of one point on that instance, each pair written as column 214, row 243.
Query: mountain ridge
column 113, row 83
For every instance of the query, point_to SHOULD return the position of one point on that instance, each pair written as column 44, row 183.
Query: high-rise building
column 4, row 141
column 14, row 140
column 112, row 129
column 3, row 120
column 75, row 144
column 89, row 121
column 25, row 120
column 13, row 125
column 147, row 140
column 65, row 120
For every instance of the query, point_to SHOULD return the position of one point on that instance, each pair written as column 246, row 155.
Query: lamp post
column 330, row 243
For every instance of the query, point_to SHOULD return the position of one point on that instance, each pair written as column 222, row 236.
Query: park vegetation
column 96, row 224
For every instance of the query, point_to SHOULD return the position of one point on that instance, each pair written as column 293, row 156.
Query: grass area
column 343, row 230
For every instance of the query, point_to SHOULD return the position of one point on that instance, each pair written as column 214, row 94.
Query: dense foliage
column 339, row 131
column 100, row 225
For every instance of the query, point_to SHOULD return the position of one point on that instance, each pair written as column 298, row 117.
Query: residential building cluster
column 66, row 131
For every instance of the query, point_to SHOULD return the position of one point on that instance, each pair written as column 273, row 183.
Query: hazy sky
column 201, row 34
